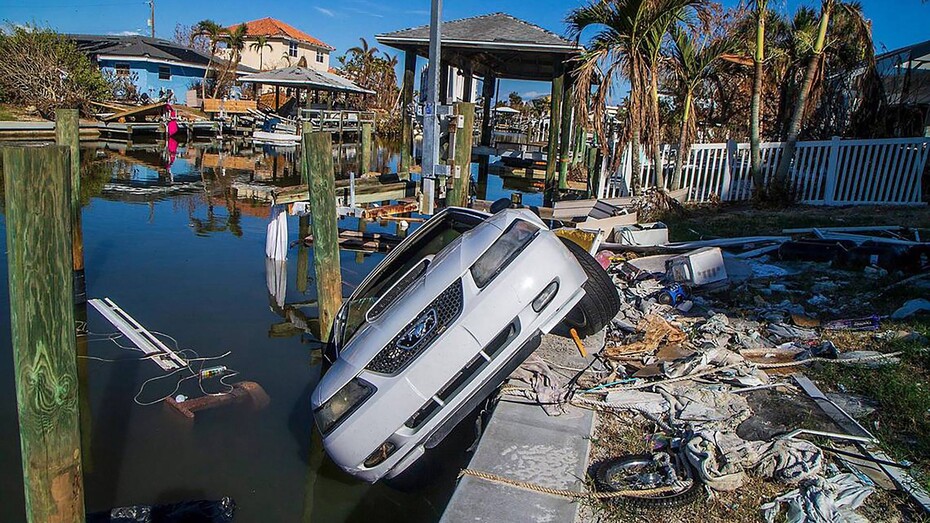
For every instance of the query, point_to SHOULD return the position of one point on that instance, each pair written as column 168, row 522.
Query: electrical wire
column 182, row 353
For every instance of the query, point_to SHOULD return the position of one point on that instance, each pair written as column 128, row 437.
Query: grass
column 6, row 115
column 742, row 220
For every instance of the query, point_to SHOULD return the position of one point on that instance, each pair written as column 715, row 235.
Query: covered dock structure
column 314, row 82
column 493, row 47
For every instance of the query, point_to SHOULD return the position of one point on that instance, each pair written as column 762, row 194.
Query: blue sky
column 896, row 23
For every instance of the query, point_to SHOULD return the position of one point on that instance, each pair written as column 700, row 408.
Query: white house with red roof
column 286, row 46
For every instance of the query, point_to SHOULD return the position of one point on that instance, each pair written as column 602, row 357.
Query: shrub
column 45, row 69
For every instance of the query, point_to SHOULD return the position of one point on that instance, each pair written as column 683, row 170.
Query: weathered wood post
column 565, row 135
column 67, row 133
column 364, row 158
column 461, row 167
column 406, row 100
column 303, row 252
column 38, row 223
column 555, row 119
column 318, row 174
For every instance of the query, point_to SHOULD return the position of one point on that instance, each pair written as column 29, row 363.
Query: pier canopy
column 305, row 78
column 496, row 44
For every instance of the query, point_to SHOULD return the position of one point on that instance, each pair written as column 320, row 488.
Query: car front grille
column 420, row 333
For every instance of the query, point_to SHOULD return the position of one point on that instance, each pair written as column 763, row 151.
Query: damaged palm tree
column 630, row 32
column 830, row 10
column 692, row 62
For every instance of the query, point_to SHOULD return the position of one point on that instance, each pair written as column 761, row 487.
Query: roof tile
column 272, row 27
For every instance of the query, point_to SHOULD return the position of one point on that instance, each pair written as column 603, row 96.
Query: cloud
column 363, row 12
column 325, row 11
column 135, row 32
column 529, row 95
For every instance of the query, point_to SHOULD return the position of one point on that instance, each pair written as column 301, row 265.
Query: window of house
column 319, row 57
column 292, row 49
column 164, row 72
column 122, row 70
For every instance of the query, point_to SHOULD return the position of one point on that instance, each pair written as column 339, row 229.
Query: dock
column 523, row 443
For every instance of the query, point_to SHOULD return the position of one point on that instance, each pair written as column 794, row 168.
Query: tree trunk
column 797, row 117
column 658, row 167
column 755, row 109
column 755, row 128
column 635, row 164
column 206, row 72
column 684, row 146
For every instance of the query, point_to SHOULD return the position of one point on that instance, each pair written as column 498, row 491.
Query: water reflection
column 167, row 239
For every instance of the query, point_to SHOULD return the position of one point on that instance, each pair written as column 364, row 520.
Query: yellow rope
column 571, row 494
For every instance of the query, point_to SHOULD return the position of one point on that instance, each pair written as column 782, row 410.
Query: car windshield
column 433, row 237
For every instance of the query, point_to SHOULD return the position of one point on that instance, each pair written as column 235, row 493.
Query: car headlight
column 342, row 403
column 503, row 251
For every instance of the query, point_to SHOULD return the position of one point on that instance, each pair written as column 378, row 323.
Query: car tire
column 600, row 303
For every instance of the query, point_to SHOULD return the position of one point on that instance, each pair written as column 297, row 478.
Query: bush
column 45, row 69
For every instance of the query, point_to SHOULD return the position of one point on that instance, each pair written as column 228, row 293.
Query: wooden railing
column 830, row 172
column 335, row 120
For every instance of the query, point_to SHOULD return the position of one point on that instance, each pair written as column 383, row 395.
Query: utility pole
column 430, row 112
column 152, row 18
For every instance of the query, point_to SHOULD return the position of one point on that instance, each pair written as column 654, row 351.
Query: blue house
column 154, row 65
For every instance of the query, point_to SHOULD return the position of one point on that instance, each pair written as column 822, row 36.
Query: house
column 153, row 65
column 905, row 75
column 286, row 46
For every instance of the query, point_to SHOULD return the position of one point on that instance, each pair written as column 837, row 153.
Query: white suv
column 439, row 324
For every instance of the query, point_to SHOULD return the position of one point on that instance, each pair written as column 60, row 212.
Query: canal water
column 167, row 246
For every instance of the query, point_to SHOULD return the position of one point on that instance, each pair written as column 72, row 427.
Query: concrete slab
column 522, row 443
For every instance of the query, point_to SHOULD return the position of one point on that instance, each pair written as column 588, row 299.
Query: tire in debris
column 600, row 303
column 609, row 476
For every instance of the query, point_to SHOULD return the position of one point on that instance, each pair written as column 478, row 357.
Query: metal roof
column 144, row 47
column 495, row 44
column 296, row 76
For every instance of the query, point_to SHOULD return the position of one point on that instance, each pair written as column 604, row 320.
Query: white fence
column 831, row 172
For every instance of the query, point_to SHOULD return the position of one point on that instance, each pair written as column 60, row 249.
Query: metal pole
column 430, row 118
column 152, row 19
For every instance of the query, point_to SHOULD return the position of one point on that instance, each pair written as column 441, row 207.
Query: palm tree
column 260, row 43
column 760, row 11
column 212, row 31
column 692, row 63
column 815, row 65
column 620, row 46
column 235, row 42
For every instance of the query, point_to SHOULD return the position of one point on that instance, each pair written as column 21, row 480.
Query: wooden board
column 608, row 224
column 215, row 161
column 216, row 105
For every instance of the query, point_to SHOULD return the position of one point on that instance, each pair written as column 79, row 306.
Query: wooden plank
column 317, row 172
column 364, row 159
column 608, row 224
column 216, row 105
column 218, row 161
column 375, row 213
column 135, row 112
column 38, row 225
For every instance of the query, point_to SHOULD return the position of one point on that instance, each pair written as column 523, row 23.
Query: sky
column 340, row 23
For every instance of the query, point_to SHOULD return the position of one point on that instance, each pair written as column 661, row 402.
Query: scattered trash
column 821, row 500
column 910, row 308
column 701, row 267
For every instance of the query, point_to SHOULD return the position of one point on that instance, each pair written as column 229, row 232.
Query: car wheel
column 600, row 304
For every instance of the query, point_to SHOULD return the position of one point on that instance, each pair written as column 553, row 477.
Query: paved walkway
column 523, row 443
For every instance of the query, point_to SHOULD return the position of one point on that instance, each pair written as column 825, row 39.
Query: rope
column 564, row 493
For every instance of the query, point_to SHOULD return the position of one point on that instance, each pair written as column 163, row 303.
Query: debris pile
column 705, row 324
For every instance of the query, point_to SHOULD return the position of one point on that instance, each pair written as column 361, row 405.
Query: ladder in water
column 147, row 342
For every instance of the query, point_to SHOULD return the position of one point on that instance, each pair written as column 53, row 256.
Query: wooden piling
column 67, row 133
column 318, row 173
column 303, row 252
column 565, row 135
column 461, row 167
column 364, row 158
column 38, row 224
column 406, row 100
column 555, row 111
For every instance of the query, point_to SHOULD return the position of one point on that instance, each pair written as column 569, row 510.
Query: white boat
column 275, row 137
